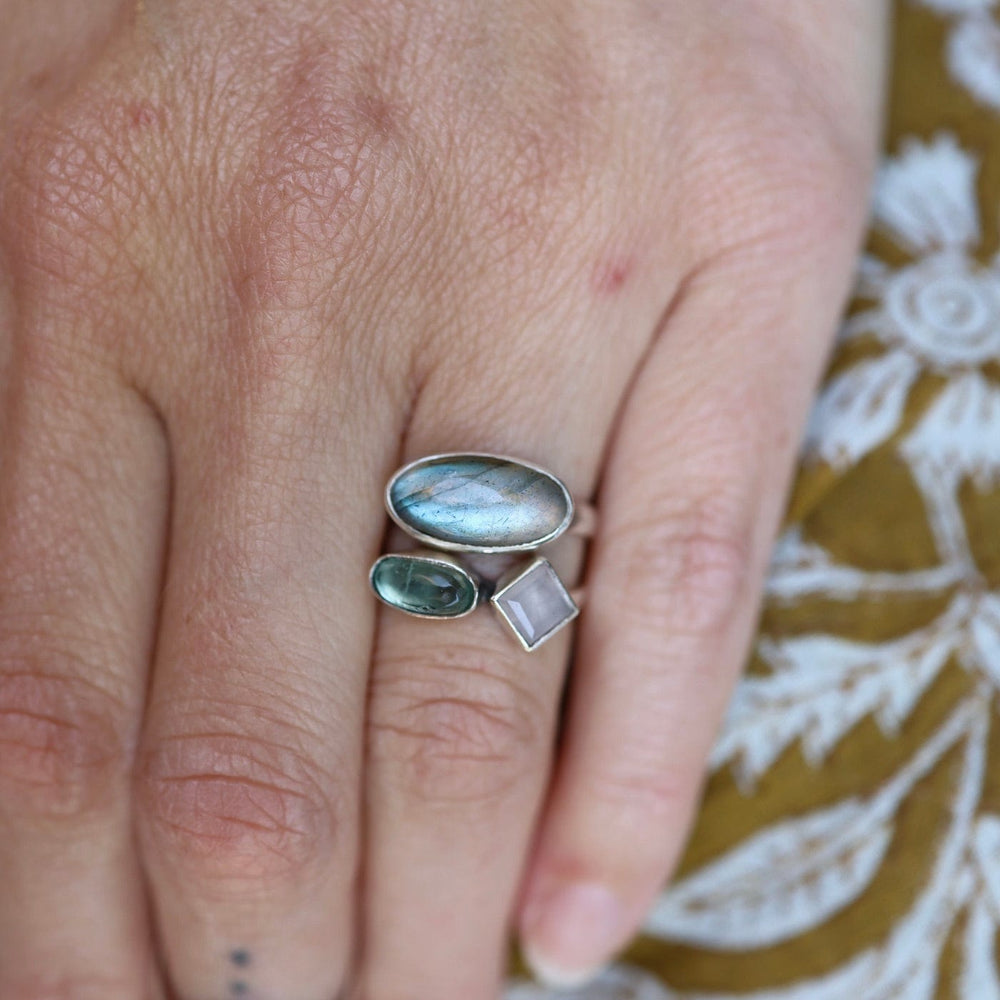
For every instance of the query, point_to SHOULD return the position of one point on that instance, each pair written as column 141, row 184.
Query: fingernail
column 567, row 935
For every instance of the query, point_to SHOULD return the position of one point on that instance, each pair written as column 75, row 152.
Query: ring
column 487, row 505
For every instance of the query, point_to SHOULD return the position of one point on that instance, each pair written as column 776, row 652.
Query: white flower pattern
column 973, row 49
column 933, row 321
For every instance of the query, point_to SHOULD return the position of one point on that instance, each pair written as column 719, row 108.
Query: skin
column 253, row 258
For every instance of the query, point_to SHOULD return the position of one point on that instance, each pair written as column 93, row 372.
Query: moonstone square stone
column 535, row 604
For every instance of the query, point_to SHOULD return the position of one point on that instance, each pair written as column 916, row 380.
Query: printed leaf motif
column 986, row 847
column 974, row 57
column 905, row 966
column 959, row 6
column 920, row 984
column 978, row 977
column 986, row 637
column 778, row 883
column 959, row 435
column 822, row 686
column 800, row 568
column 926, row 196
column 861, row 408
column 909, row 962
column 871, row 279
column 795, row 874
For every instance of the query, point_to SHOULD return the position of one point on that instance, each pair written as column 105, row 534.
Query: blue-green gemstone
column 479, row 502
column 424, row 586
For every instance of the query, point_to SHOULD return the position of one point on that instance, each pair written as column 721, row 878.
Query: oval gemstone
column 424, row 586
column 478, row 502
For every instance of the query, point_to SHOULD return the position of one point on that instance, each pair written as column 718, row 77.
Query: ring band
column 480, row 504
column 584, row 522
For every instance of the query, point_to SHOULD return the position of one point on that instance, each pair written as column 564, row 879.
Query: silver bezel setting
column 458, row 546
column 431, row 557
column 508, row 580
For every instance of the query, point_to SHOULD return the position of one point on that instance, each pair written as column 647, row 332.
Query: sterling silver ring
column 482, row 505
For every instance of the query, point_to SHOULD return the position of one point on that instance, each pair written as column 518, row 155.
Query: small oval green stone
column 424, row 586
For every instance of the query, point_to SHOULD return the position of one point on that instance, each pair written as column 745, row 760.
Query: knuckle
column 62, row 743
column 326, row 190
column 782, row 167
column 525, row 189
column 454, row 727
column 237, row 807
column 328, row 172
column 813, row 197
column 790, row 199
column 289, row 181
column 73, row 195
column 321, row 190
column 540, row 172
column 688, row 565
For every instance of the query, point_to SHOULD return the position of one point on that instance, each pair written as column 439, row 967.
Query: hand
column 254, row 257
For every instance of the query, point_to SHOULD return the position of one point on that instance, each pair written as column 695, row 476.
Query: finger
column 459, row 734
column 251, row 759
column 461, row 719
column 82, row 514
column 693, row 490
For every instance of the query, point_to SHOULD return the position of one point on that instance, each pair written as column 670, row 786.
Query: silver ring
column 483, row 505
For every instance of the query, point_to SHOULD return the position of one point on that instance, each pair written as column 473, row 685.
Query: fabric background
column 848, row 844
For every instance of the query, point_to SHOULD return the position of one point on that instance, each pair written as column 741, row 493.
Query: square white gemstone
column 535, row 604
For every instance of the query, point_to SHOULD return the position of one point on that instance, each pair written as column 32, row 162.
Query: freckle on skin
column 240, row 957
column 610, row 275
column 142, row 115
column 377, row 110
column 239, row 988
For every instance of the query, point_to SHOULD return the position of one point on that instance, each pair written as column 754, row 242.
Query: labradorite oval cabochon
column 423, row 586
column 480, row 502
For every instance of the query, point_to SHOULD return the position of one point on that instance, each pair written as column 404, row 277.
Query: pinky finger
column 692, row 495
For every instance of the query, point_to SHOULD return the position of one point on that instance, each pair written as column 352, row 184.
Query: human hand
column 254, row 258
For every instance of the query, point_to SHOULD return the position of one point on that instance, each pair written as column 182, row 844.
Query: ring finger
column 462, row 719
